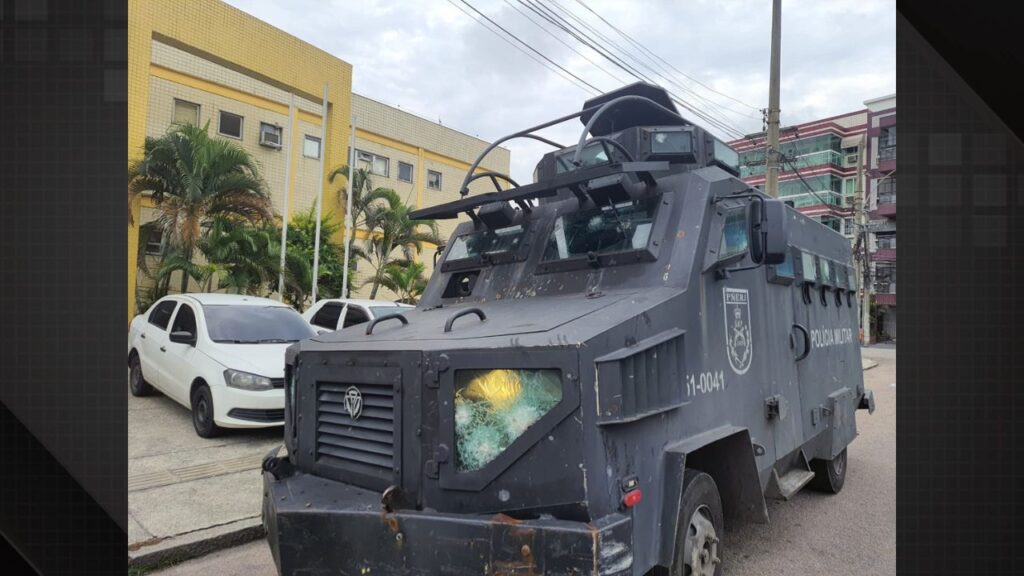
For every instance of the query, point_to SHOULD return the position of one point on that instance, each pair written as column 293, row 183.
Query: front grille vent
column 366, row 444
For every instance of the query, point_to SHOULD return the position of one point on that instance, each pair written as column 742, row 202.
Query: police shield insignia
column 739, row 346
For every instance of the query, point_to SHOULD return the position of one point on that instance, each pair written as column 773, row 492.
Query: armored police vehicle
column 607, row 364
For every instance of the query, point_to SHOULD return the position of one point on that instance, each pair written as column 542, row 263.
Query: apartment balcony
column 882, row 226
column 885, row 293
column 884, row 255
column 886, row 207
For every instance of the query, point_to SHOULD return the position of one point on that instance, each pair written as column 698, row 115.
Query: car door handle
column 163, row 348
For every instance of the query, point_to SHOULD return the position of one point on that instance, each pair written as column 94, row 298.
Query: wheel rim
column 838, row 463
column 201, row 411
column 136, row 376
column 700, row 548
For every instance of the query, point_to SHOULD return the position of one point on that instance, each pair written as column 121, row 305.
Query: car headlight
column 494, row 407
column 247, row 381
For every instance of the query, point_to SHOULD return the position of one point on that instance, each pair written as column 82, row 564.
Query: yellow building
column 207, row 62
column 422, row 160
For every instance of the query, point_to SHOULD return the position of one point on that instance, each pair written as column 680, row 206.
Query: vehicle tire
column 202, row 413
column 829, row 475
column 700, row 528
column 136, row 381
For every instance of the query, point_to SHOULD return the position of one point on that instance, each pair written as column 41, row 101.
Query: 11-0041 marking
column 705, row 383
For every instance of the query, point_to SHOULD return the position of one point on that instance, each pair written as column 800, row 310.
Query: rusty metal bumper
column 319, row 526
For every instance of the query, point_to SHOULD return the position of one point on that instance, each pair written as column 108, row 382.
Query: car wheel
column 202, row 413
column 136, row 381
column 700, row 528
column 829, row 475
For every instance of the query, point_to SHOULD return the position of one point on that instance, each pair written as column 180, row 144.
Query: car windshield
column 380, row 311
column 613, row 228
column 255, row 324
column 486, row 242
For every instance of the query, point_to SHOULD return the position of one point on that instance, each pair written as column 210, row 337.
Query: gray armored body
column 607, row 365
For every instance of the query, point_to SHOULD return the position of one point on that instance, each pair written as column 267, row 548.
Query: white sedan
column 332, row 314
column 221, row 355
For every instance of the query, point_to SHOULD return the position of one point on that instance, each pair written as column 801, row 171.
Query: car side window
column 734, row 234
column 161, row 314
column 185, row 320
column 327, row 316
column 355, row 316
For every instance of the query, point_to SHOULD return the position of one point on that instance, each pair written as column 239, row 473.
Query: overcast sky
column 432, row 59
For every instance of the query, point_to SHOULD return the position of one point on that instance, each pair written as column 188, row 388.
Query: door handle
column 807, row 342
column 163, row 349
column 143, row 336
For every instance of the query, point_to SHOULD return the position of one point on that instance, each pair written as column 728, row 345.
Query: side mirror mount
column 768, row 231
column 183, row 337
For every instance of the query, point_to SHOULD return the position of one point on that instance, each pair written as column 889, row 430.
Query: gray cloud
column 433, row 60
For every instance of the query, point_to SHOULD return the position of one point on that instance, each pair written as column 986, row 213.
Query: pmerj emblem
column 739, row 345
column 353, row 402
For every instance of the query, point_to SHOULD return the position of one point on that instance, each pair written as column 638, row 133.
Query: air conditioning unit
column 270, row 136
column 851, row 159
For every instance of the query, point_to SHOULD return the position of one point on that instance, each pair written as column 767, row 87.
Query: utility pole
column 771, row 186
column 863, row 264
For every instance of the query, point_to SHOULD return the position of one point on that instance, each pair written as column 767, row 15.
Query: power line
column 563, row 42
column 642, row 47
column 581, row 36
column 592, row 90
column 531, row 48
column 663, row 72
column 801, row 177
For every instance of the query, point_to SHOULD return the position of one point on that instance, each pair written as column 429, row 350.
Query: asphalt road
column 853, row 532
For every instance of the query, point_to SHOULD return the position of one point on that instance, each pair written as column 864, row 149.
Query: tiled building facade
column 819, row 176
column 212, row 64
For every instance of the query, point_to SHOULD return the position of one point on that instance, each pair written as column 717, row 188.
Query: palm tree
column 299, row 265
column 363, row 195
column 405, row 279
column 245, row 258
column 390, row 229
column 192, row 179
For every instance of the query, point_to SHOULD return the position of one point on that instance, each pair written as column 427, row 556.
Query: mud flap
column 867, row 402
column 726, row 453
column 843, row 427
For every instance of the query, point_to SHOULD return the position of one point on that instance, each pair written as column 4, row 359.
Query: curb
column 191, row 545
column 867, row 364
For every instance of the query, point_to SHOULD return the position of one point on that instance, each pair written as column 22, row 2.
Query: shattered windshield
column 486, row 243
column 613, row 228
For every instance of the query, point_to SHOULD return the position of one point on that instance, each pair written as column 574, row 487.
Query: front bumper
column 235, row 408
column 319, row 526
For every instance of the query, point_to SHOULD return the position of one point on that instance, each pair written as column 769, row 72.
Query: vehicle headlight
column 247, row 381
column 494, row 407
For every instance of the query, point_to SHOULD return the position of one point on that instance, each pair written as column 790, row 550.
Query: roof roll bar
column 528, row 133
column 604, row 108
column 464, row 189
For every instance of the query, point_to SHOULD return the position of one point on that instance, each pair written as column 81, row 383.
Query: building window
column 270, row 135
column 185, row 113
column 887, row 190
column 887, row 144
column 373, row 163
column 311, row 147
column 433, row 180
column 886, row 242
column 405, row 172
column 153, row 237
column 230, row 125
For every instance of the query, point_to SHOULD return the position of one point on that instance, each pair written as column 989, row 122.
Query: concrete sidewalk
column 188, row 496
